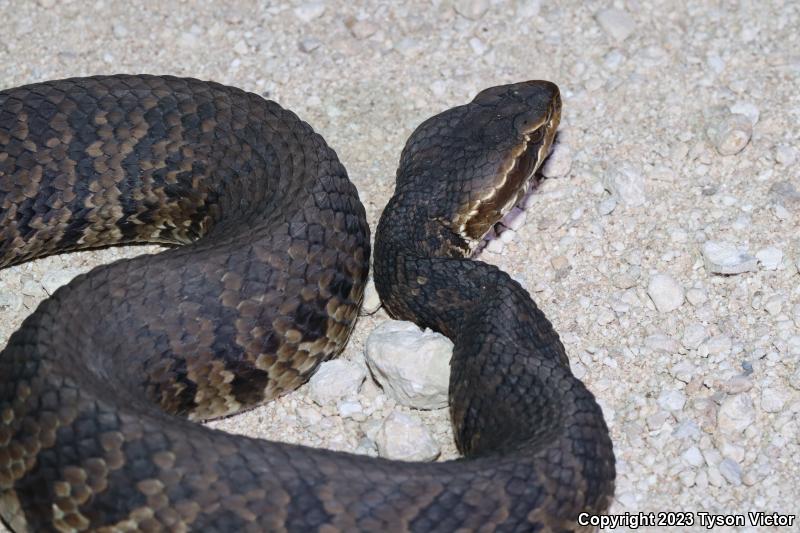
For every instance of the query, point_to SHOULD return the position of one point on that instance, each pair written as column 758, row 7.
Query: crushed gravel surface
column 664, row 247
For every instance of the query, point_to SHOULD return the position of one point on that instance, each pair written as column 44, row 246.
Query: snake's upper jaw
column 538, row 113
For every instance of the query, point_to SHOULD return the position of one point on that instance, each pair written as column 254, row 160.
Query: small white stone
column 735, row 414
column 188, row 39
column 666, row 292
column 309, row 11
column 411, row 365
column 406, row 438
column 478, row 46
column 731, row 133
column 723, row 257
column 495, row 246
column 361, row 29
column 559, row 163
column 617, row 24
column 515, row 219
column 672, row 400
column 626, row 183
column 438, row 87
column 309, row 44
column 731, row 471
column 335, row 380
column 662, row 343
column 351, row 409
column 409, row 47
column 693, row 457
column 471, row 9
column 696, row 296
column 785, row 155
column 605, row 316
column 372, row 301
column 719, row 345
column 683, row 371
column 119, row 30
column 241, row 48
column 773, row 399
column 773, row 304
column 607, row 206
column 770, row 258
column 693, row 335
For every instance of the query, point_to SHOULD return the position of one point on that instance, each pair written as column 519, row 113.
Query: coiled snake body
column 99, row 384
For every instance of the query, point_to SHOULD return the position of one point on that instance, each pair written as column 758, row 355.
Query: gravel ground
column 677, row 158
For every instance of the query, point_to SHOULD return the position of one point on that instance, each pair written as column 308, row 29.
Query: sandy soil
column 702, row 399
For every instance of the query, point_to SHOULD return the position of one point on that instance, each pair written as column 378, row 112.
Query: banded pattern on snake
column 100, row 385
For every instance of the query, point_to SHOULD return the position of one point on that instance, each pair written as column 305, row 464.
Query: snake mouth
column 514, row 180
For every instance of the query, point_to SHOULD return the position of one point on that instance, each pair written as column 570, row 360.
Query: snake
column 267, row 255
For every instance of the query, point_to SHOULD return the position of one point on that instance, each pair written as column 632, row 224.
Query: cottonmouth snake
column 99, row 384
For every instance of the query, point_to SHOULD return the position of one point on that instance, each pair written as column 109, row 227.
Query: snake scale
column 101, row 385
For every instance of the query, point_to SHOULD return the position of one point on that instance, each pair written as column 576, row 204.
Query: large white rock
column 335, row 380
column 411, row 365
column 406, row 438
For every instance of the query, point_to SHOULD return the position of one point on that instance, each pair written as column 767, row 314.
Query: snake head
column 512, row 127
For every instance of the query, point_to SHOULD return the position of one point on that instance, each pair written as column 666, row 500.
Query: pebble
column 696, row 296
column 626, row 183
column 406, row 438
column 722, row 257
column 719, row 345
column 773, row 400
column 411, row 365
column 785, row 155
column 119, row 30
column 731, row 133
column 735, row 414
column 559, row 163
column 409, row 47
column 309, row 44
column 471, row 9
column 309, row 11
column 662, row 343
column 334, row 380
column 241, row 48
column 731, row 471
column 10, row 301
column 773, row 304
column 785, row 191
column 372, row 301
column 693, row 335
column 770, row 258
column 188, row 39
column 672, row 400
column 616, row 23
column 478, row 46
column 693, row 457
column 607, row 206
column 738, row 384
column 666, row 293
column 361, row 29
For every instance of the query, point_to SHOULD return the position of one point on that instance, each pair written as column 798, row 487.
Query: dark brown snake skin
column 99, row 385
